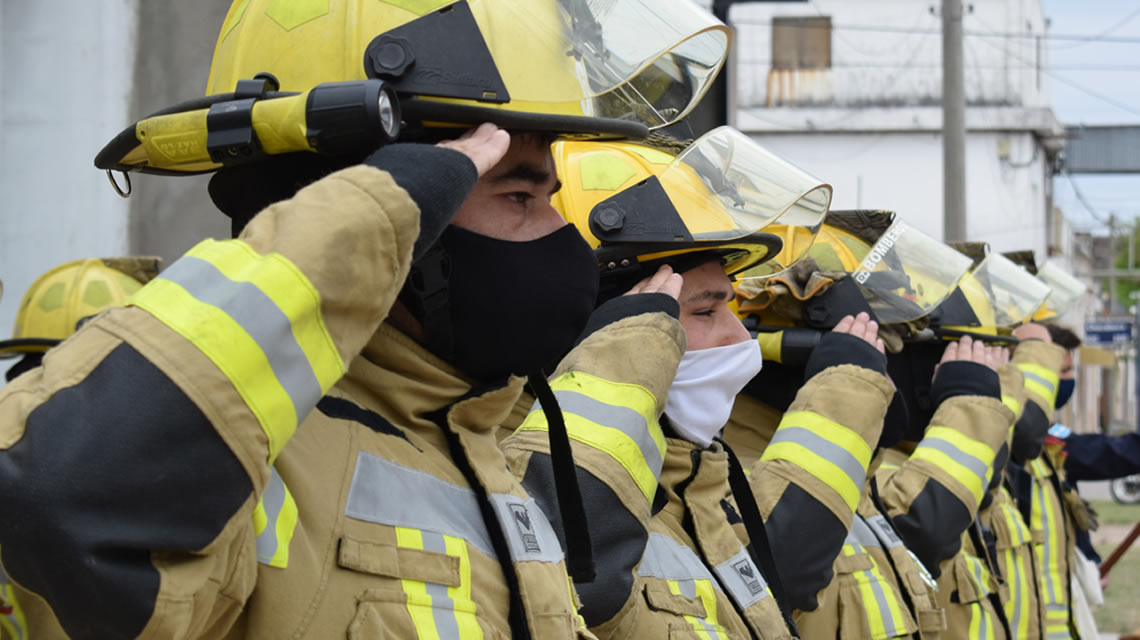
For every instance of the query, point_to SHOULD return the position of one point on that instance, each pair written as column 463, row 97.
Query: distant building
column 850, row 90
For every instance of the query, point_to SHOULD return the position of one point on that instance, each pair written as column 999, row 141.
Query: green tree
column 1125, row 286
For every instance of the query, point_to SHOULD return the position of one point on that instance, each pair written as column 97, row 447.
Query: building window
column 801, row 43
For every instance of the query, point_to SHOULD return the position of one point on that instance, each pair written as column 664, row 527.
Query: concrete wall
column 66, row 68
column 899, row 65
column 169, row 215
column 902, row 172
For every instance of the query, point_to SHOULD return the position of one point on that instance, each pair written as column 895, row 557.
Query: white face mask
column 706, row 385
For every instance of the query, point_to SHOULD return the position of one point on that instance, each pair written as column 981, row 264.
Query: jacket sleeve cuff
column 437, row 179
column 842, row 348
column 623, row 307
column 961, row 378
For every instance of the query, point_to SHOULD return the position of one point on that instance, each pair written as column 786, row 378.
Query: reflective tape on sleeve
column 616, row 418
column 1012, row 403
column 274, row 521
column 831, row 452
column 965, row 459
column 1040, row 380
column 258, row 318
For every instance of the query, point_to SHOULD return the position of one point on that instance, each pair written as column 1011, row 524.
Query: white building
column 851, row 92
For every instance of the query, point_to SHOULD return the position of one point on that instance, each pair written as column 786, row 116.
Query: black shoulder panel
column 617, row 538
column 932, row 527
column 342, row 409
column 121, row 464
column 804, row 560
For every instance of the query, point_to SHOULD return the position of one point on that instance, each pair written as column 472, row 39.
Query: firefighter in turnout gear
column 1036, row 480
column 65, row 297
column 877, row 587
column 694, row 576
column 339, row 384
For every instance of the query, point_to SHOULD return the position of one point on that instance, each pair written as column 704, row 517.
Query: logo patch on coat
column 525, row 527
column 747, row 572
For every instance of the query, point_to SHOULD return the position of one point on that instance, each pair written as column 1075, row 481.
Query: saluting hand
column 664, row 281
column 862, row 326
column 485, row 145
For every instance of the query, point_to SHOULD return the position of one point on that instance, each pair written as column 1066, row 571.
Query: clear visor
column 1066, row 290
column 1010, row 291
column 645, row 60
column 907, row 273
column 749, row 188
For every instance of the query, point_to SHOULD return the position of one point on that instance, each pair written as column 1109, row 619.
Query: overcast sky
column 1096, row 82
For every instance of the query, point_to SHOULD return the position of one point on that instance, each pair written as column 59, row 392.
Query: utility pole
column 953, row 125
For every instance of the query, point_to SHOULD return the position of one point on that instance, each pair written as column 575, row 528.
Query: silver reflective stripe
column 980, row 577
column 1046, row 548
column 442, row 606
column 884, row 607
column 1042, row 381
column 529, row 534
column 387, row 493
column 884, row 531
column 687, row 588
column 974, row 464
column 742, row 579
column 624, row 419
column 826, row 449
column 261, row 318
column 984, row 626
column 667, row 559
column 1018, row 596
column 861, row 534
column 1058, row 635
column 271, row 501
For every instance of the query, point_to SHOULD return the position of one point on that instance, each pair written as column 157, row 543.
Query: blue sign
column 1108, row 332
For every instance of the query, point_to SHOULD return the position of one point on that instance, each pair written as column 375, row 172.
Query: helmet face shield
column 634, row 59
column 907, row 273
column 723, row 191
column 1003, row 290
column 1065, row 290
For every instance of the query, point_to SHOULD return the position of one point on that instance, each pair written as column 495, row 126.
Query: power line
column 934, row 65
column 1084, row 201
column 1101, row 35
column 1083, row 38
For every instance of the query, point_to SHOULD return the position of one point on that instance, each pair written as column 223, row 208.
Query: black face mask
column 516, row 306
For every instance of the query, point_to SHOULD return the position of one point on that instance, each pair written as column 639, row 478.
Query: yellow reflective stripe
column 1012, row 403
column 1040, row 380
column 617, row 418
column 1015, row 605
column 258, row 319
column 419, row 602
column 981, row 574
column 880, row 599
column 965, row 459
column 290, row 291
column 468, row 624
column 440, row 612
column 703, row 628
column 824, row 448
column 274, row 521
column 981, row 627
